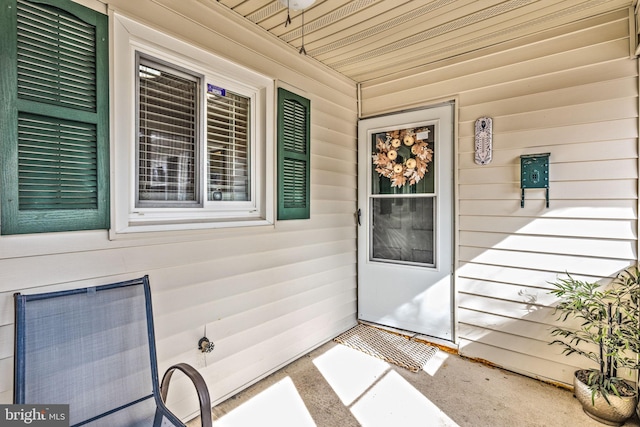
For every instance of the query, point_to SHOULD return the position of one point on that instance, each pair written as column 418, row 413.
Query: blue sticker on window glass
column 216, row 90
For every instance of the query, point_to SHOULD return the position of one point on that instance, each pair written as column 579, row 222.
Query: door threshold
column 444, row 345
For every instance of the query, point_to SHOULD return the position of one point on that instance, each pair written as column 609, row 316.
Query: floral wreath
column 402, row 156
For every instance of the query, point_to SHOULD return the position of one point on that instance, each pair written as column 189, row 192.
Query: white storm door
column 405, row 232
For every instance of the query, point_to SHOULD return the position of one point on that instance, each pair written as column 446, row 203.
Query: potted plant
column 608, row 335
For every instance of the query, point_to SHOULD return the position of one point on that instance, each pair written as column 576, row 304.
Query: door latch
column 359, row 214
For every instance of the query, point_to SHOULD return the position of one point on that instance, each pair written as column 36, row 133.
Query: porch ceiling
column 378, row 40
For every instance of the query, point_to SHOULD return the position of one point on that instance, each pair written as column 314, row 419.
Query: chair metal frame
column 159, row 390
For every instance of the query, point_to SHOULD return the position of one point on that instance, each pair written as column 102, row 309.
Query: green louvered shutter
column 293, row 156
column 55, row 155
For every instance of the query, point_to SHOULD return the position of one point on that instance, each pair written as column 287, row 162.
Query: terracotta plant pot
column 614, row 414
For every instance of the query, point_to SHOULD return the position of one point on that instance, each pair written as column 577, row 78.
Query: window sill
column 137, row 229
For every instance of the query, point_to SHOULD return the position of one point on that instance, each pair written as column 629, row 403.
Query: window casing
column 197, row 150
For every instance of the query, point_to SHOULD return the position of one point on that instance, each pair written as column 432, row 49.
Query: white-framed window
column 192, row 136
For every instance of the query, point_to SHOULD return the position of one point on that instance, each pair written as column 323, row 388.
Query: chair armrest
column 201, row 389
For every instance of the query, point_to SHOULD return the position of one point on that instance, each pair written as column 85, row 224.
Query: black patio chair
column 94, row 349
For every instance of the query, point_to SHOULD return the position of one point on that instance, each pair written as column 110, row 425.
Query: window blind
column 228, row 136
column 167, row 108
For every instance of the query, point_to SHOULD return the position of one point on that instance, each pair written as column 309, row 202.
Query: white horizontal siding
column 574, row 208
column 571, row 92
column 263, row 295
column 549, row 226
column 590, row 247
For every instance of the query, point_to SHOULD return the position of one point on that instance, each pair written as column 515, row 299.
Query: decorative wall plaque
column 483, row 140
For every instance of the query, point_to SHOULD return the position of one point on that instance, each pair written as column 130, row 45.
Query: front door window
column 402, row 203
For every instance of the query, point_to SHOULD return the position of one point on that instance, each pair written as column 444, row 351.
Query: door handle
column 359, row 214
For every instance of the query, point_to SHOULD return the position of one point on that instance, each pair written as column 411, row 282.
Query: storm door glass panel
column 403, row 199
column 228, row 136
column 167, row 111
column 403, row 230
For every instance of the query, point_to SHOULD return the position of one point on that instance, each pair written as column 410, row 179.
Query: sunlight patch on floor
column 349, row 372
column 280, row 405
column 377, row 395
column 435, row 363
column 394, row 402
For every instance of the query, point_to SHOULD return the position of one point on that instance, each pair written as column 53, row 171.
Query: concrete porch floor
column 335, row 386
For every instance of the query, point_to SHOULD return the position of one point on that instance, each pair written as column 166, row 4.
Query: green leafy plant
column 609, row 334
